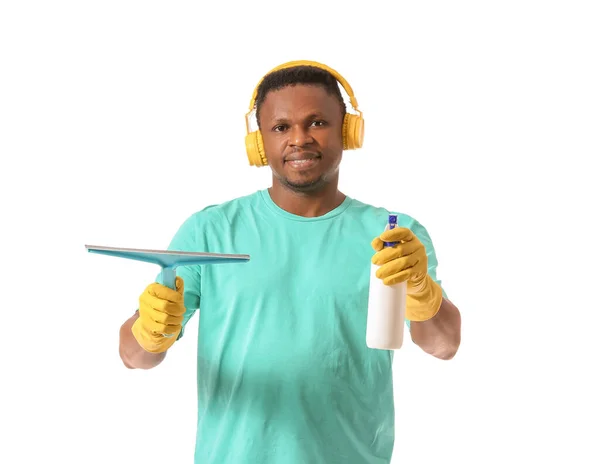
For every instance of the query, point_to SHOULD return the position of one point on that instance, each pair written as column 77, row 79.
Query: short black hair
column 302, row 74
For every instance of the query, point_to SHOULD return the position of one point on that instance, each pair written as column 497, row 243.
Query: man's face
column 301, row 127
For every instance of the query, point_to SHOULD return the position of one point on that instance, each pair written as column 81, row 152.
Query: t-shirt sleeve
column 432, row 262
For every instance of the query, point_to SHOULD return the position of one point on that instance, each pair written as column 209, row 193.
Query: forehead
column 297, row 100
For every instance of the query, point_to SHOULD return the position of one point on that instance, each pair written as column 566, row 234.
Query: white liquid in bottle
column 386, row 309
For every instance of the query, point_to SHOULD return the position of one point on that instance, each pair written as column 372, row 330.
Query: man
column 284, row 373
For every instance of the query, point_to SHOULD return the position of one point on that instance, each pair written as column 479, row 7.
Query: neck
column 307, row 204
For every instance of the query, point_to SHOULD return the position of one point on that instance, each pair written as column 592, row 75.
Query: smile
column 305, row 163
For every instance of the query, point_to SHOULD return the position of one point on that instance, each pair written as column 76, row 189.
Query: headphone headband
column 290, row 64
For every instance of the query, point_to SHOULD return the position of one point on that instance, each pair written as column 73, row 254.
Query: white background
column 119, row 119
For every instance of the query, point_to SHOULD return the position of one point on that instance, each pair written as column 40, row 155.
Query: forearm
column 132, row 354
column 439, row 336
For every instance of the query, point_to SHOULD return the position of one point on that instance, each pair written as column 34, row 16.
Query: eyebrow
column 313, row 115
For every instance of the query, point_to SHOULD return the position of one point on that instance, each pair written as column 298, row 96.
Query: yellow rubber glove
column 160, row 317
column 406, row 262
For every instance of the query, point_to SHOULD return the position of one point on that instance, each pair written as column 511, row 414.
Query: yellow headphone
column 352, row 129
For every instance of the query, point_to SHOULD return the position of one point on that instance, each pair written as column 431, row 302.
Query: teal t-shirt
column 284, row 372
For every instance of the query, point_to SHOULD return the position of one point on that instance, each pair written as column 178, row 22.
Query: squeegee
column 169, row 260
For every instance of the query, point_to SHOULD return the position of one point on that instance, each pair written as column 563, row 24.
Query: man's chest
column 292, row 267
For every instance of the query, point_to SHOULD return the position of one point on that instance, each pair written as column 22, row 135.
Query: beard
column 307, row 186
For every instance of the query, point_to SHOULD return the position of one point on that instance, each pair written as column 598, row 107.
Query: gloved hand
column 160, row 317
column 406, row 262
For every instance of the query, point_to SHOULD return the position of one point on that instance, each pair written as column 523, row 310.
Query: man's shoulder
column 377, row 216
column 227, row 208
column 215, row 218
column 380, row 214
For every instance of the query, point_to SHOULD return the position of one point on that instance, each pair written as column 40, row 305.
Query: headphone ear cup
column 353, row 131
column 255, row 149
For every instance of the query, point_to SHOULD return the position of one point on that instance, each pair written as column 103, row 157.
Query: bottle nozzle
column 392, row 223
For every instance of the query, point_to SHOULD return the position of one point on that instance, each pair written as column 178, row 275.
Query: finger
column 165, row 293
column 397, row 278
column 377, row 244
column 155, row 329
column 398, row 234
column 396, row 265
column 164, row 306
column 179, row 285
column 164, row 318
column 386, row 255
column 397, row 251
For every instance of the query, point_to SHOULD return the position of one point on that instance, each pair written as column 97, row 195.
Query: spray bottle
column 386, row 308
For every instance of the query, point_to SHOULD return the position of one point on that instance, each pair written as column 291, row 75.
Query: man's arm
column 439, row 336
column 130, row 351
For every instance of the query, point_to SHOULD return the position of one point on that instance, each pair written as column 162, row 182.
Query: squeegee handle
column 167, row 277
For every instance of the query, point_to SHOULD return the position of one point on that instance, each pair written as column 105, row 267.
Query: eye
column 319, row 123
column 280, row 128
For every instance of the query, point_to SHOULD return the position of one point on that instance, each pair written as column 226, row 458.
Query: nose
column 300, row 136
